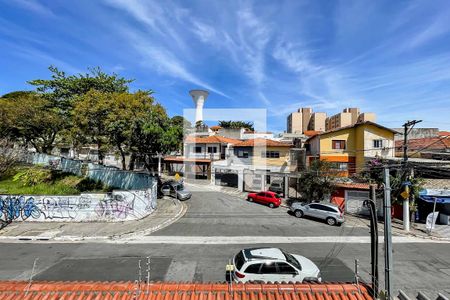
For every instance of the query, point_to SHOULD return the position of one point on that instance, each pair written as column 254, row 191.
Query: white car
column 273, row 264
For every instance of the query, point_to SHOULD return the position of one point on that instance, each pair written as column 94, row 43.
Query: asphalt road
column 419, row 266
column 219, row 214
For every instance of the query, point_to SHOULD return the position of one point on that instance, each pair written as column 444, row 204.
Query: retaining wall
column 135, row 198
column 115, row 206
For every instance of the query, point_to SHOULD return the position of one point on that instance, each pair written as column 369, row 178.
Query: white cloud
column 34, row 6
column 205, row 32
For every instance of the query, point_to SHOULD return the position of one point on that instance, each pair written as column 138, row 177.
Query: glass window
column 212, row 149
column 284, row 268
column 253, row 269
column 378, row 144
column 198, row 149
column 314, row 206
column 268, row 268
column 338, row 144
column 242, row 154
column 270, row 154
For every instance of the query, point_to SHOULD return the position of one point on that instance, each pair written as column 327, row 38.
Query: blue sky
column 387, row 57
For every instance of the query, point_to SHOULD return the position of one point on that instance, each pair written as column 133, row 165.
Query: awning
column 441, row 200
column 441, row 196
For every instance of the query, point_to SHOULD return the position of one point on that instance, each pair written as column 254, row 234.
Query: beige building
column 317, row 121
column 348, row 117
column 304, row 119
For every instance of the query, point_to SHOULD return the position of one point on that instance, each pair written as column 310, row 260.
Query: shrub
column 33, row 176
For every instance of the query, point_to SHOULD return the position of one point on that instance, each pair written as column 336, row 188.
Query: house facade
column 252, row 164
column 199, row 153
column 349, row 147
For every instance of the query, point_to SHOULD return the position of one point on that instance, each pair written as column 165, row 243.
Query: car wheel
column 331, row 221
column 298, row 213
column 271, row 205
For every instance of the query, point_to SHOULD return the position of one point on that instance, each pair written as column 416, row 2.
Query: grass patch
column 57, row 183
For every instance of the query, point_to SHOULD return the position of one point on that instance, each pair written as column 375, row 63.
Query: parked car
column 269, row 198
column 175, row 189
column 329, row 212
column 271, row 265
column 277, row 187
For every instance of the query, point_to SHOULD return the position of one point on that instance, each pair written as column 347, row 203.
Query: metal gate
column 226, row 178
column 354, row 202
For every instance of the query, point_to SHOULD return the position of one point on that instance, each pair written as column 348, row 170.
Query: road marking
column 181, row 271
column 224, row 240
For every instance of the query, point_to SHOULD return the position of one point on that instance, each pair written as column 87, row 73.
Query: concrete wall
column 113, row 207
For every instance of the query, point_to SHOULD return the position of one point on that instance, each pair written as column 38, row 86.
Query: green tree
column 317, row 181
column 30, row 118
column 63, row 89
column 89, row 117
column 237, row 125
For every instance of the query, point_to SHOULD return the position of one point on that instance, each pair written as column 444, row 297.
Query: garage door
column 354, row 202
column 226, row 179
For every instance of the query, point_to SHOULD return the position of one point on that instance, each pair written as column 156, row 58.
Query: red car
column 270, row 198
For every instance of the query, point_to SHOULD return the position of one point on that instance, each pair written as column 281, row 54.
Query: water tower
column 199, row 97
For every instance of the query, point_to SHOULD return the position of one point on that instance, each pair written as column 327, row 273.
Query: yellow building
column 349, row 146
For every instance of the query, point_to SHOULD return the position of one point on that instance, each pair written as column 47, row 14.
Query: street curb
column 127, row 236
column 179, row 215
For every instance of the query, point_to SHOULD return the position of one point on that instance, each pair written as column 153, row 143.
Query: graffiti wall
column 115, row 206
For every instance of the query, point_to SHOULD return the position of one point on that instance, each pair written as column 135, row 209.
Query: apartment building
column 306, row 120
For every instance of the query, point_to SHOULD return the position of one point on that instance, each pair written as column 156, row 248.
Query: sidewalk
column 441, row 232
column 168, row 211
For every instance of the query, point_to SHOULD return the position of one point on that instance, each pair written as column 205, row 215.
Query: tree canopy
column 237, row 125
column 93, row 108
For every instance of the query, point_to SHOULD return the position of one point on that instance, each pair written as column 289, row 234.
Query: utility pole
column 407, row 126
column 387, row 235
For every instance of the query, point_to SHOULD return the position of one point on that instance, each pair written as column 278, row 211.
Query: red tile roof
column 310, row 133
column 354, row 185
column 261, row 142
column 13, row 290
column 444, row 133
column 434, row 143
column 213, row 139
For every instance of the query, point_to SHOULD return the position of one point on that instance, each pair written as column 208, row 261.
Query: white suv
column 273, row 264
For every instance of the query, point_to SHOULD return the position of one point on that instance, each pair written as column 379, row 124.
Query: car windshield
column 179, row 187
column 291, row 259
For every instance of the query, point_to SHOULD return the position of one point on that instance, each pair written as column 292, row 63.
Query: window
column 378, row 144
column 326, row 208
column 242, row 153
column 284, row 268
column 198, row 149
column 270, row 154
column 338, row 144
column 268, row 268
column 212, row 149
column 314, row 206
column 253, row 269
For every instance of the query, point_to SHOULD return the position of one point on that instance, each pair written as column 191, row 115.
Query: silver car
column 176, row 190
column 329, row 212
